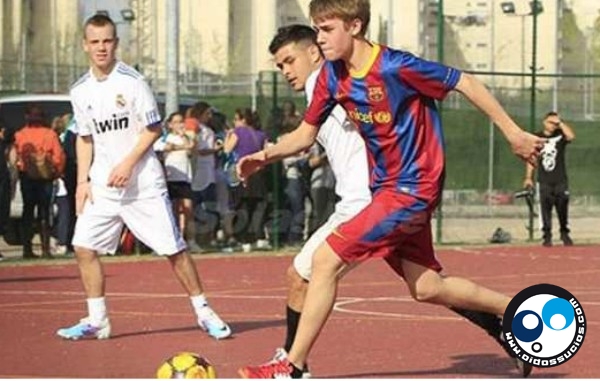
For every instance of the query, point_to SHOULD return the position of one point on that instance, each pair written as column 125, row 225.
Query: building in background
column 223, row 43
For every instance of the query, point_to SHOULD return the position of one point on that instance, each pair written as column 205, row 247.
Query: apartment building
column 229, row 38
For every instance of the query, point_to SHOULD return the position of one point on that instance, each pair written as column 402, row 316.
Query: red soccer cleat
column 274, row 369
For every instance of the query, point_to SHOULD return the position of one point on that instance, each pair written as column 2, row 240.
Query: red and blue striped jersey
column 392, row 102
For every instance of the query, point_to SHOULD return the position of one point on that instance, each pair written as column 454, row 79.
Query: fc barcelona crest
column 376, row 93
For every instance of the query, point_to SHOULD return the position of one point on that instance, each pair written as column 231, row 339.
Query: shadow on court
column 245, row 326
column 236, row 327
column 471, row 365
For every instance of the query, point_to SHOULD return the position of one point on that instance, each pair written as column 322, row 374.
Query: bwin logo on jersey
column 114, row 124
column 544, row 325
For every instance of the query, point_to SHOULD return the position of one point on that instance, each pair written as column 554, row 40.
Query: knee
column 426, row 292
column 326, row 262
column 294, row 280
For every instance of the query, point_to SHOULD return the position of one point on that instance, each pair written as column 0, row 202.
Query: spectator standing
column 64, row 186
column 249, row 201
column 40, row 160
column 204, row 178
column 178, row 169
column 552, row 177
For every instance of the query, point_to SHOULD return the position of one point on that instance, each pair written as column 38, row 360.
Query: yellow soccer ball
column 186, row 365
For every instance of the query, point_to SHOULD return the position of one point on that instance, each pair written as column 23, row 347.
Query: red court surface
column 377, row 331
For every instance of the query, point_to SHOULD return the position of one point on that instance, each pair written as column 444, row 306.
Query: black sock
column 292, row 320
column 489, row 322
column 296, row 372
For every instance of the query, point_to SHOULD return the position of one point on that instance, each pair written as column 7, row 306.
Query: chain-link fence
column 482, row 173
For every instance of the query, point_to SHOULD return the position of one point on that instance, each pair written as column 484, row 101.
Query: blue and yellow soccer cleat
column 212, row 324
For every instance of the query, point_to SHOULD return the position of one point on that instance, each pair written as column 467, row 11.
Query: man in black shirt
column 552, row 177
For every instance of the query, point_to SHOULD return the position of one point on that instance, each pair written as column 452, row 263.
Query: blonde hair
column 347, row 10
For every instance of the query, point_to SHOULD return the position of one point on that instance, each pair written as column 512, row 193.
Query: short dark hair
column 292, row 33
column 551, row 113
column 198, row 109
column 35, row 114
column 99, row 19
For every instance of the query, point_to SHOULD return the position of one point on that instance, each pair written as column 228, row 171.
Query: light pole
column 536, row 7
column 508, row 8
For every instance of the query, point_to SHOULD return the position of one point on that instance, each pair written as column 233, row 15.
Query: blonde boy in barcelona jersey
column 297, row 56
column 390, row 95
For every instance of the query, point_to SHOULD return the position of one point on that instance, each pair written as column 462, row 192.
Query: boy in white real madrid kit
column 297, row 56
column 120, row 181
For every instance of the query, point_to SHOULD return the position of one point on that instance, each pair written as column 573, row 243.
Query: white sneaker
column 212, row 324
column 263, row 244
column 85, row 330
column 59, row 250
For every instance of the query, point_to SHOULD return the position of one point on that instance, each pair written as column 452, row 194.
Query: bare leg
column 188, row 228
column 185, row 269
column 91, row 271
column 297, row 288
column 429, row 286
column 320, row 297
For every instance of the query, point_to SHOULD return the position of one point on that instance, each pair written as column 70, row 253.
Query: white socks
column 201, row 306
column 96, row 311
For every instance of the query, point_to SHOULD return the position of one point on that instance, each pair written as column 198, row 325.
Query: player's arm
column 146, row 111
column 567, row 130
column 84, row 148
column 296, row 141
column 84, row 151
column 120, row 174
column 528, row 181
column 525, row 145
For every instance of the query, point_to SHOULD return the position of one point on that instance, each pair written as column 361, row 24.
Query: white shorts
column 303, row 260
column 151, row 220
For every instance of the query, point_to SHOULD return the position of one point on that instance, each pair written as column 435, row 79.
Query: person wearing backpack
column 40, row 160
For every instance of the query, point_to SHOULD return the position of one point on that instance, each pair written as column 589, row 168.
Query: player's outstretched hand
column 250, row 164
column 527, row 146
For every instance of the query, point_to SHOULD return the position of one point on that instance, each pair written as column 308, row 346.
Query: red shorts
column 394, row 226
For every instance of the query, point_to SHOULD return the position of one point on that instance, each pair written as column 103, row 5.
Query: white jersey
column 114, row 112
column 347, row 156
column 205, row 173
column 178, row 166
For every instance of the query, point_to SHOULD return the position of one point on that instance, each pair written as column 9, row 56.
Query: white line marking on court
column 338, row 306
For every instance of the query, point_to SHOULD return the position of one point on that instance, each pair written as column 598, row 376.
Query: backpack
column 500, row 236
column 38, row 163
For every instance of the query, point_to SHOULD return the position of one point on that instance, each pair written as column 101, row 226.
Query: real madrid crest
column 121, row 101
